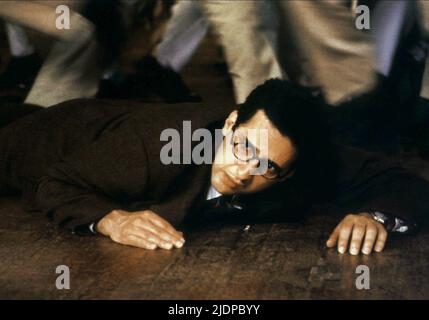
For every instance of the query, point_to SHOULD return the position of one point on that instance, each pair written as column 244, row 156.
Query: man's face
column 232, row 175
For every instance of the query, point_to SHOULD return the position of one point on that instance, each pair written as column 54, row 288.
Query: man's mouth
column 230, row 181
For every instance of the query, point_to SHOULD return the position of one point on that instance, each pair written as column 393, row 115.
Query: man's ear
column 229, row 123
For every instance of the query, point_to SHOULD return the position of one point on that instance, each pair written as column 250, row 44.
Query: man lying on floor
column 95, row 167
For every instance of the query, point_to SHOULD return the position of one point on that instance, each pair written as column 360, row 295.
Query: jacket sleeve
column 108, row 174
column 368, row 183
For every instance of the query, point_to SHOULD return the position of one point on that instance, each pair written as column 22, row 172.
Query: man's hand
column 143, row 229
column 362, row 228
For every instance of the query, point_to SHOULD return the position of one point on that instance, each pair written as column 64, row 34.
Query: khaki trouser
column 71, row 70
column 319, row 45
column 424, row 8
column 247, row 31
column 332, row 53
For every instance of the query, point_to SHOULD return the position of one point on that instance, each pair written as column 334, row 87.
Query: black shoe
column 167, row 83
column 152, row 82
column 20, row 72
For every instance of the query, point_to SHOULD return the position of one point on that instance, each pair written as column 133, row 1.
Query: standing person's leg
column 39, row 15
column 247, row 31
column 391, row 20
column 422, row 108
column 19, row 44
column 72, row 69
column 332, row 53
column 184, row 32
column 24, row 63
column 424, row 9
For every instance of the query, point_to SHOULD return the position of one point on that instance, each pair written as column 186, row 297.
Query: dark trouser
column 10, row 113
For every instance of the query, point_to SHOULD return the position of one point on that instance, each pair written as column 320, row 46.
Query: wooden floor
column 268, row 261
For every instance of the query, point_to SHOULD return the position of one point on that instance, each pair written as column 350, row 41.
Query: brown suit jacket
column 81, row 159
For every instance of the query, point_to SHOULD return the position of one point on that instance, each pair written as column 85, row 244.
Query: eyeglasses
column 244, row 151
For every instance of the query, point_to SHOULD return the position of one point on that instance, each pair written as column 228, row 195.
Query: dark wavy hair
column 299, row 115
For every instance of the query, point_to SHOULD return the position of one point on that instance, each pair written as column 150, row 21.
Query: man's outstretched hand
column 143, row 229
column 363, row 233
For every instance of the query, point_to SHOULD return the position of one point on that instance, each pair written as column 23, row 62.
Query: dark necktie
column 220, row 207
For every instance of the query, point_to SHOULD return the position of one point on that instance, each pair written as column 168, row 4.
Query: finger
column 176, row 236
column 150, row 237
column 160, row 222
column 370, row 236
column 162, row 233
column 381, row 239
column 332, row 240
column 157, row 220
column 343, row 239
column 358, row 234
column 133, row 240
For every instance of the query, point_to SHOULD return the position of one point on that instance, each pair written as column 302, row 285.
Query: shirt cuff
column 85, row 229
column 92, row 228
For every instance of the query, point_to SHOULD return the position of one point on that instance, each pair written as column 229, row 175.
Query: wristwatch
column 386, row 220
column 394, row 224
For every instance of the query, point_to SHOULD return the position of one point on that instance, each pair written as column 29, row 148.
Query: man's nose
column 245, row 169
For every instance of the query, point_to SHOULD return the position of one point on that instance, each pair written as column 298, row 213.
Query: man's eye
column 271, row 169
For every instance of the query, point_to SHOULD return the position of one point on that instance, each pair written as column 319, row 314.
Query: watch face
column 380, row 217
column 387, row 221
